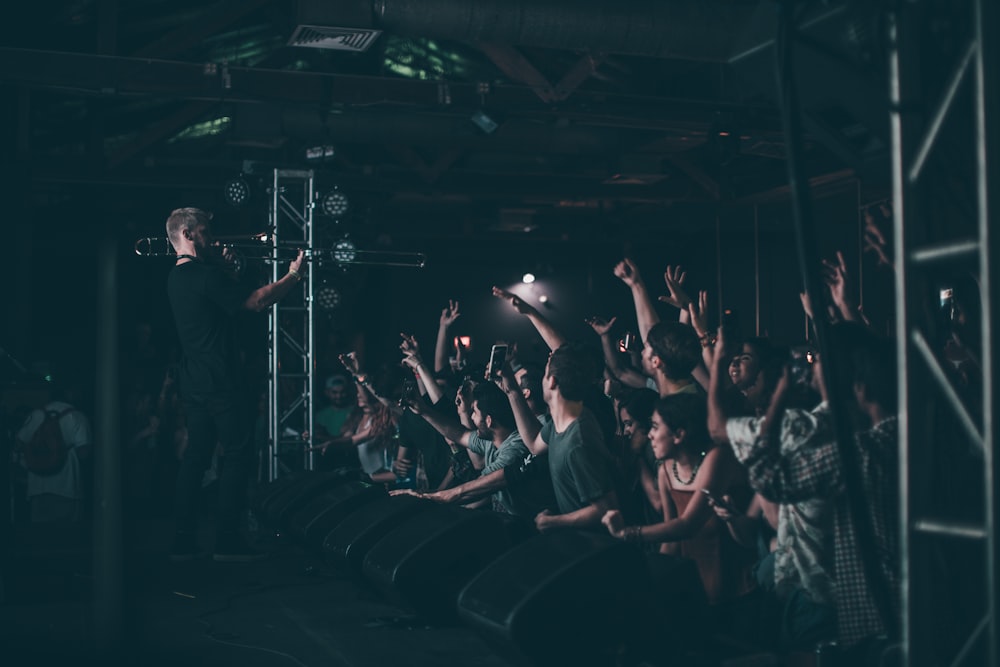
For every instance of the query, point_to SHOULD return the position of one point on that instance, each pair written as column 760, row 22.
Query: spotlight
column 334, row 203
column 320, row 152
column 237, row 191
column 327, row 297
column 528, row 278
column 543, row 299
column 344, row 251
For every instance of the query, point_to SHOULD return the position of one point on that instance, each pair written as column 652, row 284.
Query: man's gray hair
column 185, row 218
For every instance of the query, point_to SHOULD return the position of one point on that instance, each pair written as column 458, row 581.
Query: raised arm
column 270, row 294
column 841, row 291
column 448, row 317
column 549, row 334
column 717, row 413
column 527, row 424
column 449, row 428
column 412, row 358
column 624, row 374
column 645, row 312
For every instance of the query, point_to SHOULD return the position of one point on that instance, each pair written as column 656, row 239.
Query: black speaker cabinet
column 311, row 522
column 567, row 597
column 353, row 538
column 265, row 493
column 292, row 498
column 424, row 562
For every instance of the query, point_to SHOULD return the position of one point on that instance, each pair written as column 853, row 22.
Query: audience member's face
column 647, row 360
column 744, row 367
column 665, row 441
column 338, row 396
column 464, row 409
column 363, row 399
column 479, row 421
column 629, row 426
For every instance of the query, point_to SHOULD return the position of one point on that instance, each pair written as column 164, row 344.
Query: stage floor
column 290, row 610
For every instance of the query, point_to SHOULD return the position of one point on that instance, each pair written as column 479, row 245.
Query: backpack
column 46, row 452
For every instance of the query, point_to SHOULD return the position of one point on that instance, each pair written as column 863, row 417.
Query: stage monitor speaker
column 566, row 597
column 423, row 563
column 310, row 523
column 290, row 499
column 264, row 494
column 353, row 538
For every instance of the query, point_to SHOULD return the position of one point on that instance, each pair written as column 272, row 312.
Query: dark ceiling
column 606, row 113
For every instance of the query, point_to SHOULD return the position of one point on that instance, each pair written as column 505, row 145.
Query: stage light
column 237, row 191
column 334, row 203
column 327, row 297
column 528, row 278
column 543, row 299
column 344, row 250
column 324, row 152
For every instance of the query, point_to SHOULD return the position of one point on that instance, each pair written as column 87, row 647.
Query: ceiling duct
column 682, row 29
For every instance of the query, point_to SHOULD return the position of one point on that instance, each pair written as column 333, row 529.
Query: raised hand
column 674, row 277
column 350, row 361
column 719, row 357
column 449, row 314
column 410, row 349
column 875, row 240
column 835, row 277
column 601, row 326
column 627, row 272
column 699, row 314
column 513, row 299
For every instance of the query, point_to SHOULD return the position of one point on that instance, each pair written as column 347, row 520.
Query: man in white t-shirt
column 58, row 496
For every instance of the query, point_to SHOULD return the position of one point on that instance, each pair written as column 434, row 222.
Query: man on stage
column 205, row 299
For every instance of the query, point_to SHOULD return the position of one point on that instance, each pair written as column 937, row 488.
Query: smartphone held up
column 498, row 356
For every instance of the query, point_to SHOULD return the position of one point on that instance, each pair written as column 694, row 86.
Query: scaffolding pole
column 921, row 376
column 291, row 344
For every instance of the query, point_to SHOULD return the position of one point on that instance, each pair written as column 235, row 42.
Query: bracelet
column 632, row 534
column 708, row 341
column 294, row 274
column 362, row 379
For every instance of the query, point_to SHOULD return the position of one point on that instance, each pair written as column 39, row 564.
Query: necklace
column 694, row 471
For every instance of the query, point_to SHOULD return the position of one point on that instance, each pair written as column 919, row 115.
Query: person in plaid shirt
column 817, row 472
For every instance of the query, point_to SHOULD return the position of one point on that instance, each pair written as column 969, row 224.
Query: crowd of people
column 690, row 441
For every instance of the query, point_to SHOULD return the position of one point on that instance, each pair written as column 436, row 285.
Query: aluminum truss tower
column 291, row 346
column 922, row 378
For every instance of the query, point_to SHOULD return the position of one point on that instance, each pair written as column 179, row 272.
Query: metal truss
column 291, row 345
column 927, row 529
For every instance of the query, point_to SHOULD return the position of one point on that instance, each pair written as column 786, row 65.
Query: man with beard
column 495, row 437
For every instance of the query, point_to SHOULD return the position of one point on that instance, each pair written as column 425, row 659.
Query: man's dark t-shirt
column 205, row 299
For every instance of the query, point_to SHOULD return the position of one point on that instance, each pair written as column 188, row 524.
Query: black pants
column 218, row 419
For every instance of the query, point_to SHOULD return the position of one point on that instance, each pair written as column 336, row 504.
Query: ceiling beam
column 216, row 18
column 87, row 74
column 513, row 63
column 161, row 130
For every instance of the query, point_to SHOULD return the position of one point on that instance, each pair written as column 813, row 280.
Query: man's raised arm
column 645, row 311
column 549, row 334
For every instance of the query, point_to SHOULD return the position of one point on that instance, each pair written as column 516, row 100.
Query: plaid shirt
column 815, row 472
column 803, row 556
